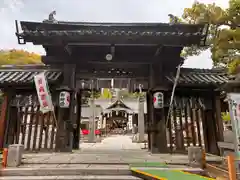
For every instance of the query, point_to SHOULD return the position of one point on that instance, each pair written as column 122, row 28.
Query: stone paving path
column 114, row 150
column 115, row 142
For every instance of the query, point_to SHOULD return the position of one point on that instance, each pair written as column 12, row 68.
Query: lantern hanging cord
column 173, row 92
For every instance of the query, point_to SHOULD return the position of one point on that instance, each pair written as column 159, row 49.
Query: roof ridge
column 203, row 70
column 28, row 67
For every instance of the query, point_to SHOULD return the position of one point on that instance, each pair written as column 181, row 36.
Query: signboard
column 130, row 121
column 43, row 93
column 99, row 123
column 234, row 108
column 64, row 99
column 158, row 102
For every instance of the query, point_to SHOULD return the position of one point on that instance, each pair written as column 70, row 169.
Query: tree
column 18, row 57
column 224, row 32
column 106, row 94
column 226, row 116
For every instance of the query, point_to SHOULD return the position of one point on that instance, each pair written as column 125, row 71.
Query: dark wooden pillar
column 66, row 115
column 160, row 133
column 7, row 126
column 210, row 126
column 219, row 121
column 149, row 117
column 76, row 130
column 12, row 124
column 156, row 117
column 3, row 119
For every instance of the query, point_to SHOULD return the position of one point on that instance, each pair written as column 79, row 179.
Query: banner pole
column 54, row 117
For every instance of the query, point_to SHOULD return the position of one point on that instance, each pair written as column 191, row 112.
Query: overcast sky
column 95, row 11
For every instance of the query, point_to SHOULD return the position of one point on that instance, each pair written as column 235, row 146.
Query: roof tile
column 200, row 76
column 188, row 76
column 19, row 76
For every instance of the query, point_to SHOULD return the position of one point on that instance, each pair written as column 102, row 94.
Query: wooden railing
column 227, row 168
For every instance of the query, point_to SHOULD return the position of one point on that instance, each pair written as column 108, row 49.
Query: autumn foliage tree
column 18, row 57
column 224, row 32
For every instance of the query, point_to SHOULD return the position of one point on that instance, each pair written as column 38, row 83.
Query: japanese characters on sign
column 64, row 99
column 44, row 96
column 158, row 101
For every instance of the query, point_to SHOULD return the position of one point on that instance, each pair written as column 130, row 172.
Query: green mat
column 170, row 174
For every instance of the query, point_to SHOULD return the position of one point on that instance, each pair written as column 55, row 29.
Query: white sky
column 93, row 10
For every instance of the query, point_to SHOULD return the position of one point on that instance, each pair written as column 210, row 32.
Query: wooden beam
column 85, row 75
column 219, row 121
column 3, row 119
column 98, row 59
column 117, row 63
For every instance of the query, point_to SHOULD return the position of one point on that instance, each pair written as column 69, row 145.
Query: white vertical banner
column 234, row 108
column 130, row 122
column 100, row 122
column 43, row 93
column 104, row 122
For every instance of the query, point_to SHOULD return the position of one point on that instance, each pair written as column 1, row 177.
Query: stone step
column 79, row 177
column 67, row 171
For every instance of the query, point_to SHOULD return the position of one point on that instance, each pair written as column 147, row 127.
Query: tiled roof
column 24, row 75
column 94, row 32
column 147, row 27
column 200, row 76
column 86, row 32
column 118, row 104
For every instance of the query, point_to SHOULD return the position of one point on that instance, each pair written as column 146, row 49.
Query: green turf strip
column 174, row 175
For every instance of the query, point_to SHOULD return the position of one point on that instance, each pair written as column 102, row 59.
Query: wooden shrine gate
column 187, row 125
column 80, row 51
column 29, row 126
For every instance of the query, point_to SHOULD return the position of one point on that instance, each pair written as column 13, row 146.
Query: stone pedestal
column 195, row 157
column 15, row 152
column 136, row 138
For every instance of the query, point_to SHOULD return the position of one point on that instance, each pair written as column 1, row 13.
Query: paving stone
column 70, row 178
column 115, row 149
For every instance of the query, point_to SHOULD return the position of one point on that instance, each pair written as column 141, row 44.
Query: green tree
column 224, row 32
column 226, row 116
column 106, row 94
column 18, row 57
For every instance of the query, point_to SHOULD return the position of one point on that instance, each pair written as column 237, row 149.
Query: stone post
column 91, row 136
column 141, row 124
column 15, row 152
column 195, row 156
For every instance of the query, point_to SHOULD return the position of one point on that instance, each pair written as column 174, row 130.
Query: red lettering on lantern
column 43, row 96
column 45, row 104
column 41, row 89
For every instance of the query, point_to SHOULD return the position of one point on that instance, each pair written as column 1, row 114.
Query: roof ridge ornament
column 173, row 19
column 51, row 18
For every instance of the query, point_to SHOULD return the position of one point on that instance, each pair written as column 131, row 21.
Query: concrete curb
column 103, row 177
column 59, row 171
